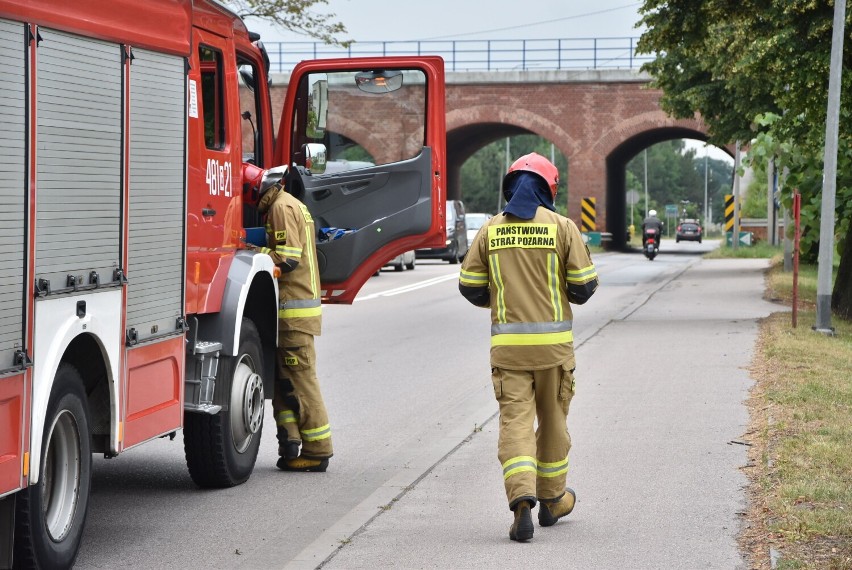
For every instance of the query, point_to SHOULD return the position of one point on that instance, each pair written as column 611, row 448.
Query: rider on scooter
column 652, row 222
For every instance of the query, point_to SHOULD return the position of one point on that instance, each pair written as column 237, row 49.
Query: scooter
column 649, row 238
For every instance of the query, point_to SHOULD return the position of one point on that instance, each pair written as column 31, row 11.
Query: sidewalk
column 656, row 426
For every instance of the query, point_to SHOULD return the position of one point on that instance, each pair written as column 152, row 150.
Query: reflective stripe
column 285, row 417
column 297, row 313
column 580, row 276
column 316, row 434
column 294, row 252
column 299, row 303
column 472, row 278
column 300, row 308
column 553, row 282
column 312, row 256
column 265, row 250
column 527, row 339
column 531, row 328
column 521, row 464
column 553, row 469
column 494, row 262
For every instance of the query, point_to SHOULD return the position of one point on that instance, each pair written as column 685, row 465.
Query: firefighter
column 300, row 412
column 527, row 264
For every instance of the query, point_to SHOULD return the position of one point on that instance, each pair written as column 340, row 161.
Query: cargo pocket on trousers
column 497, row 381
column 296, row 358
column 566, row 384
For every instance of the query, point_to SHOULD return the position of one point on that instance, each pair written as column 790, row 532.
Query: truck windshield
column 393, row 125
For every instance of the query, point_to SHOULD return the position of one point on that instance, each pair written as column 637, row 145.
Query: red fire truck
column 133, row 135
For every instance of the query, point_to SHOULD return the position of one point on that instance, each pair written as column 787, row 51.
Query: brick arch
column 472, row 128
column 635, row 139
column 358, row 133
column 594, row 117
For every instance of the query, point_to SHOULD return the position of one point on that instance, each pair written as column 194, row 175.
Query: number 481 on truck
column 134, row 138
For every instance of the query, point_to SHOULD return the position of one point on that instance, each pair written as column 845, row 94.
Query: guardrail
column 477, row 55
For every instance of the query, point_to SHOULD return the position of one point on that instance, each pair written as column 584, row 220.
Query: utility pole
column 770, row 202
column 788, row 243
column 646, row 183
column 829, row 176
column 735, row 238
column 705, row 186
column 500, row 183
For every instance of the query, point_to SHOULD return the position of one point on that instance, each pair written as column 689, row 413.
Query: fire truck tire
column 50, row 515
column 221, row 449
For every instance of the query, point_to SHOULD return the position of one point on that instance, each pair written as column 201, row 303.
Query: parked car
column 402, row 261
column 688, row 230
column 456, row 246
column 474, row 222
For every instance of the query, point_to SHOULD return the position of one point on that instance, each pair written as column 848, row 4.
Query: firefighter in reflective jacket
column 298, row 405
column 527, row 264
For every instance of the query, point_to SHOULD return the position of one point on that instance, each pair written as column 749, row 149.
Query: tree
column 741, row 63
column 482, row 174
column 295, row 16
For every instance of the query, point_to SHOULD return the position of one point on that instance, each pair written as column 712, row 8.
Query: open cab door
column 365, row 142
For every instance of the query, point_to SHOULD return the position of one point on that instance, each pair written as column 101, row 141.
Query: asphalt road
column 415, row 483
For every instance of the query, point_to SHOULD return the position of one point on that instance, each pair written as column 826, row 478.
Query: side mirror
column 378, row 82
column 315, row 157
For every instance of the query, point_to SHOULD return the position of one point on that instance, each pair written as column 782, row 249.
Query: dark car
column 688, row 230
column 456, row 245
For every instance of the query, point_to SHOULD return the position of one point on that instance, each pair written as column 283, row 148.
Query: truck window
column 251, row 112
column 212, row 97
column 343, row 117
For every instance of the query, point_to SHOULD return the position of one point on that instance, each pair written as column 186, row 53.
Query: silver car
column 474, row 222
column 402, row 261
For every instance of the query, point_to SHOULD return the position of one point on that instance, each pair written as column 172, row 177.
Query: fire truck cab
column 131, row 306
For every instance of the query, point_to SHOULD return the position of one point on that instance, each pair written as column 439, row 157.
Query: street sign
column 632, row 197
column 671, row 209
column 745, row 238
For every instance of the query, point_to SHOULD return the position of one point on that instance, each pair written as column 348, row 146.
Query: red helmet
column 537, row 164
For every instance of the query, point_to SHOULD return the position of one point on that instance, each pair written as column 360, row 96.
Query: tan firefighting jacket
column 290, row 237
column 528, row 272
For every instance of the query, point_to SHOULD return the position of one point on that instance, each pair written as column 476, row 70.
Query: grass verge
column 800, row 459
column 761, row 249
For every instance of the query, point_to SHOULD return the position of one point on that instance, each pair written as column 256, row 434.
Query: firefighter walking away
column 528, row 264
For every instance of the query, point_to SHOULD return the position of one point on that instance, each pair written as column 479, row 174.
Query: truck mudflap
column 7, row 530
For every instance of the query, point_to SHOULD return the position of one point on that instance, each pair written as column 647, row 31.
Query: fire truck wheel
column 221, row 449
column 51, row 513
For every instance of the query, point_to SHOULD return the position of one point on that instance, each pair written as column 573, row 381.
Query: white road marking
column 408, row 288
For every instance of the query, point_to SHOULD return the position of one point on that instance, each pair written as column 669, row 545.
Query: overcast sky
column 392, row 20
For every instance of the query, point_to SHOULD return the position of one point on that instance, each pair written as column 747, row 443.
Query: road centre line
column 409, row 288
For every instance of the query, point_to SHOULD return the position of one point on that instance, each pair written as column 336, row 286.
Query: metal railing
column 477, row 55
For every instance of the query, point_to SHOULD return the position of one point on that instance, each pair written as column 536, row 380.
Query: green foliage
column 758, row 71
column 675, row 176
column 295, row 16
column 755, row 196
column 482, row 174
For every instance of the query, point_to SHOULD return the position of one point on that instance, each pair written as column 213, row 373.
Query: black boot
column 522, row 527
column 304, row 464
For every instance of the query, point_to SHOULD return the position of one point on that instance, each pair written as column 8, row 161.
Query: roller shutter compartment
column 78, row 163
column 12, row 189
column 157, row 187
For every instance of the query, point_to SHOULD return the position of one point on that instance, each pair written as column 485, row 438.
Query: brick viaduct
column 598, row 119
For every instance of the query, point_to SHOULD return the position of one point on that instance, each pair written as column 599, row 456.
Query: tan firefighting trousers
column 535, row 463
column 308, row 422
